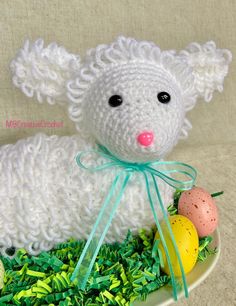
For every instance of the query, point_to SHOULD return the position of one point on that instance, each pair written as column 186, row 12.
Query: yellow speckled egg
column 187, row 242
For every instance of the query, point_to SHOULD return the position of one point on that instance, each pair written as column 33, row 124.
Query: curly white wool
column 44, row 71
column 210, row 66
column 46, row 198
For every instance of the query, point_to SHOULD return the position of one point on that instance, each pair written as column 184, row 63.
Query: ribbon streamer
column 151, row 170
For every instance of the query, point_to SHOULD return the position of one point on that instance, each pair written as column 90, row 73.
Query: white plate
column 163, row 296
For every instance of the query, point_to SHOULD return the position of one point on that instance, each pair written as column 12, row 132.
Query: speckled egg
column 187, row 242
column 199, row 206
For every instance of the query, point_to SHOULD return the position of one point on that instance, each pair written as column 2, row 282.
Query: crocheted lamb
column 128, row 96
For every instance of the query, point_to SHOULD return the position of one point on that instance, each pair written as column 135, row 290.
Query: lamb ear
column 209, row 65
column 44, row 71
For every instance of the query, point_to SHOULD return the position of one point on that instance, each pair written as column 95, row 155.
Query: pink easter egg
column 198, row 206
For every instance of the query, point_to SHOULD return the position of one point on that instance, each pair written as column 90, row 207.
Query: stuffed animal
column 128, row 96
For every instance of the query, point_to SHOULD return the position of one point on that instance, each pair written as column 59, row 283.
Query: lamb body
column 46, row 198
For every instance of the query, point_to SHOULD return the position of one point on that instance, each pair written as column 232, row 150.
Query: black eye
column 163, row 97
column 115, row 101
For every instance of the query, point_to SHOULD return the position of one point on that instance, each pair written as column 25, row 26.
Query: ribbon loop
column 171, row 172
column 163, row 170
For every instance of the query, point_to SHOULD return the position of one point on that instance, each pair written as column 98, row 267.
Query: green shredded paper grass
column 123, row 273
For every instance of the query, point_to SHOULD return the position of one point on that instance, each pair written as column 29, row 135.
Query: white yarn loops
column 45, row 198
column 44, row 71
column 210, row 66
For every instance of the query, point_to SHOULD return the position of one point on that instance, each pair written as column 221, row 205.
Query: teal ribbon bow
column 163, row 170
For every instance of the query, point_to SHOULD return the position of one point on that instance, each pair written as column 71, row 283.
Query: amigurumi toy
column 131, row 98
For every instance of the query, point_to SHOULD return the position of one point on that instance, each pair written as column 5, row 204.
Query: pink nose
column 145, row 139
